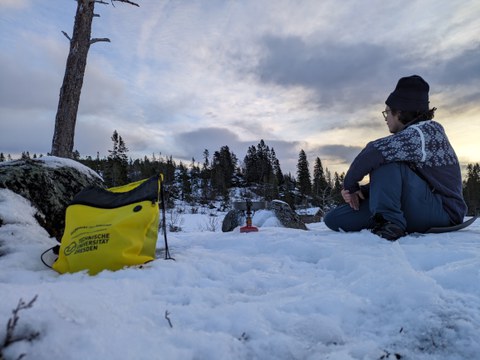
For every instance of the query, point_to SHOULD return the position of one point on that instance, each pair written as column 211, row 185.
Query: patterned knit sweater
column 425, row 148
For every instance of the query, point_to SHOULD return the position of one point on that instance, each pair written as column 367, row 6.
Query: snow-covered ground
column 276, row 294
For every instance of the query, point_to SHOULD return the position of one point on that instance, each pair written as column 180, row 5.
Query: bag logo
column 70, row 249
column 87, row 242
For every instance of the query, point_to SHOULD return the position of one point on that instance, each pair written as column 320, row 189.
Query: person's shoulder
column 428, row 126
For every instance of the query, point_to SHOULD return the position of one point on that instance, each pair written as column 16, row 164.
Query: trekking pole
column 164, row 223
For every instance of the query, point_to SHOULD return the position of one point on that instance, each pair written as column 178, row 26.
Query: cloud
column 193, row 143
column 27, row 87
column 338, row 73
column 337, row 153
column 463, row 68
column 101, row 91
column 180, row 77
column 14, row 4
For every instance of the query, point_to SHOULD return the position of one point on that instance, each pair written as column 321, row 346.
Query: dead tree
column 66, row 118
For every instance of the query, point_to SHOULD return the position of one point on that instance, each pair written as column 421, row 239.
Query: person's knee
column 386, row 171
column 330, row 220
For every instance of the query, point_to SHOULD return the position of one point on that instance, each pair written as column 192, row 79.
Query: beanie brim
column 410, row 94
column 405, row 104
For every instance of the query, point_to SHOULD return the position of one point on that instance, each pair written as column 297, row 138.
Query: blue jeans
column 400, row 196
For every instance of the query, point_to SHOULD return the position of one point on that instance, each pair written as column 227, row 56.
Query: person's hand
column 353, row 199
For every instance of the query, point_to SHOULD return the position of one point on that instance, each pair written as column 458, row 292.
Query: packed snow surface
column 275, row 294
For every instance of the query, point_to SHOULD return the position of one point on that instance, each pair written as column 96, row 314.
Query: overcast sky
column 182, row 76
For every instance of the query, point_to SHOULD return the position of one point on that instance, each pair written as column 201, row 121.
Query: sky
column 180, row 77
column 277, row 294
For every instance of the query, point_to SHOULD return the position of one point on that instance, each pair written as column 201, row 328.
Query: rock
column 287, row 217
column 49, row 183
column 308, row 219
column 281, row 210
column 233, row 219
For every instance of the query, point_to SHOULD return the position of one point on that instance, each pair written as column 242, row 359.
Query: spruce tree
column 116, row 172
column 250, row 161
column 337, row 188
column 303, row 175
column 277, row 170
column 223, row 168
column 471, row 189
column 185, row 183
column 259, row 165
column 205, row 177
column 320, row 184
column 321, row 188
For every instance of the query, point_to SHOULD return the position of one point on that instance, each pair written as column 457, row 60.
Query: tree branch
column 93, row 41
column 168, row 319
column 66, row 35
column 10, row 338
column 126, row 1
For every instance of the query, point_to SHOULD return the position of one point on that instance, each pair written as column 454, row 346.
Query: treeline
column 223, row 177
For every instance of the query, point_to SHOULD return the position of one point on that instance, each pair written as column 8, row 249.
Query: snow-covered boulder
column 49, row 183
column 287, row 217
column 278, row 213
column 233, row 219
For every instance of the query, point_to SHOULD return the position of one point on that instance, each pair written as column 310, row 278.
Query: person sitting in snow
column 415, row 179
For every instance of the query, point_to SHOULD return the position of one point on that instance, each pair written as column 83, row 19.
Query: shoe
column 386, row 229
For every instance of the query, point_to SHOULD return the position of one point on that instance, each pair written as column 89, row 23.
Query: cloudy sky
column 182, row 76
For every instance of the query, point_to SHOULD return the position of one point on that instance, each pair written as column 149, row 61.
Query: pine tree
column 303, row 174
column 186, row 185
column 337, row 187
column 320, row 186
column 264, row 163
column 250, row 160
column 205, row 177
column 289, row 185
column 471, row 189
column 116, row 173
column 195, row 177
column 258, row 164
column 223, row 168
column 323, row 193
column 277, row 171
column 169, row 169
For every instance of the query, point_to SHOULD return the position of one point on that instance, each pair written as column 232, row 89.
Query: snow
column 275, row 294
column 57, row 162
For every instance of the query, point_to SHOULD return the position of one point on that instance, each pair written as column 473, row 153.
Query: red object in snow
column 249, row 227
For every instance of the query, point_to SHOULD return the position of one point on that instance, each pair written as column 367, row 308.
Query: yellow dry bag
column 108, row 229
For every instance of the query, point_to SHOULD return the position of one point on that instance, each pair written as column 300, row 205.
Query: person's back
column 415, row 175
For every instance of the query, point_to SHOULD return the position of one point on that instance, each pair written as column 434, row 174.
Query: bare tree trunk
column 66, row 118
column 63, row 136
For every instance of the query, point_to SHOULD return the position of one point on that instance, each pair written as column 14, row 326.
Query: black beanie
column 410, row 94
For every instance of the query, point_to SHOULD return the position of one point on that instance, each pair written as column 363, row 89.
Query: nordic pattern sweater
column 425, row 148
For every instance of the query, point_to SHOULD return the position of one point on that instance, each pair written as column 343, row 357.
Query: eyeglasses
column 385, row 113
